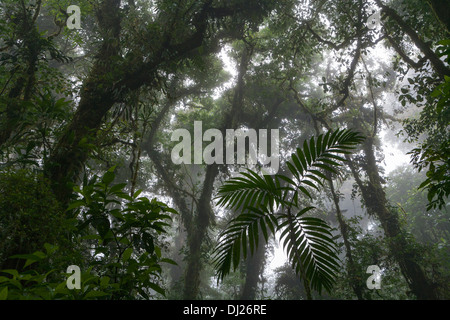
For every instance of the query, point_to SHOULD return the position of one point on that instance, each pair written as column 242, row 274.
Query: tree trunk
column 96, row 98
column 438, row 65
column 204, row 211
column 253, row 268
column 352, row 271
column 376, row 203
column 111, row 78
column 197, row 234
column 441, row 9
column 25, row 84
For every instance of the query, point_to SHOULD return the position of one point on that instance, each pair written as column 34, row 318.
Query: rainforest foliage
column 89, row 101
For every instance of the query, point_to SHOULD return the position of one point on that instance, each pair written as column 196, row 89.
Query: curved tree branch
column 434, row 59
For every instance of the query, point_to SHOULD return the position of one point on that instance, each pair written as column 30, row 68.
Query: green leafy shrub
column 114, row 241
column 29, row 215
column 29, row 284
column 431, row 155
column 121, row 234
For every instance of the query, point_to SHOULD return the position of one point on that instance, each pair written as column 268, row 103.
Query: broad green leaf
column 104, row 281
column 169, row 261
column 95, row 294
column 108, row 177
column 157, row 288
column 4, row 293
column 127, row 254
column 12, row 272
column 75, row 204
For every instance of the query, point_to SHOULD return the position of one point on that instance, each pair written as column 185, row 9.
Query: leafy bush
column 432, row 153
column 29, row 215
column 117, row 234
column 121, row 232
column 51, row 285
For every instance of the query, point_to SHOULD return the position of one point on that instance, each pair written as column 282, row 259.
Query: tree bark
column 197, row 234
column 377, row 204
column 72, row 150
column 441, row 9
column 435, row 61
column 204, row 211
column 23, row 89
column 355, row 283
column 253, row 268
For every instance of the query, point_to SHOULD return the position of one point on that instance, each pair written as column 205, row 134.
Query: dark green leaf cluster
column 432, row 153
column 29, row 214
column 123, row 230
column 117, row 235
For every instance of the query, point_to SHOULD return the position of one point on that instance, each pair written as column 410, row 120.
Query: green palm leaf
column 242, row 233
column 251, row 191
column 307, row 240
column 321, row 155
column 308, row 243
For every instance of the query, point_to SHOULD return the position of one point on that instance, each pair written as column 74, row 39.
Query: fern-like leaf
column 323, row 154
column 309, row 246
column 266, row 205
column 242, row 233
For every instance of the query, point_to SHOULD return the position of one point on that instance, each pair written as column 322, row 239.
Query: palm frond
column 242, row 233
column 308, row 165
column 307, row 240
column 310, row 249
column 250, row 190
